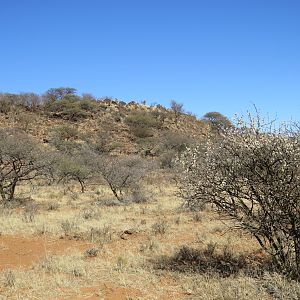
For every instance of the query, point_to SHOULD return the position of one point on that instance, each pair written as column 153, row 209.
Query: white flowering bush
column 251, row 175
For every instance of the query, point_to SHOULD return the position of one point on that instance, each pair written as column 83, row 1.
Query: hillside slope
column 118, row 127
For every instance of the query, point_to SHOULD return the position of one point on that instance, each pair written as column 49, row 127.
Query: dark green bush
column 142, row 123
column 71, row 107
column 141, row 118
column 141, row 132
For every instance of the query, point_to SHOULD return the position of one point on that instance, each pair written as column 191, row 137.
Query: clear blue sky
column 211, row 55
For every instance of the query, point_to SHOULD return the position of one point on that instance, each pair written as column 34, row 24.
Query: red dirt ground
column 17, row 251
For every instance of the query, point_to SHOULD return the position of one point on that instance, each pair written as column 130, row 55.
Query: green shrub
column 71, row 107
column 141, row 118
column 65, row 133
column 141, row 132
column 141, row 123
column 64, row 138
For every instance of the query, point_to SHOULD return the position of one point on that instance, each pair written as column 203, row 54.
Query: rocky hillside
column 113, row 126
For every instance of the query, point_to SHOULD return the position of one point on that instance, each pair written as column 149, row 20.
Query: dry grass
column 118, row 247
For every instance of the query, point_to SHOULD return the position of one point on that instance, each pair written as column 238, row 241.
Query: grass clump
column 210, row 261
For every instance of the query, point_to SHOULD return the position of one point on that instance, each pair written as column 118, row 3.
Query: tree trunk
column 116, row 194
column 12, row 191
column 82, row 185
column 2, row 193
column 297, row 256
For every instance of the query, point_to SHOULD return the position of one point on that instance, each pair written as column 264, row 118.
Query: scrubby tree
column 66, row 133
column 21, row 159
column 252, row 175
column 65, row 139
column 101, row 142
column 70, row 107
column 142, row 123
column 5, row 106
column 88, row 97
column 9, row 102
column 177, row 109
column 217, row 121
column 176, row 141
column 25, row 120
column 30, row 100
column 121, row 173
column 172, row 145
column 55, row 94
column 75, row 168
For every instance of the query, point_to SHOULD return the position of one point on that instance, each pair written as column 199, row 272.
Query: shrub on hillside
column 217, row 121
column 142, row 123
column 9, row 102
column 65, row 139
column 70, row 107
column 172, row 145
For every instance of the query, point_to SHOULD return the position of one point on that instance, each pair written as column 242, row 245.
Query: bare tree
column 21, row 159
column 177, row 109
column 8, row 102
column 74, row 167
column 122, row 173
column 30, row 100
column 252, row 176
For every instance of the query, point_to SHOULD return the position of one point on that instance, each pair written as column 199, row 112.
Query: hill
column 113, row 126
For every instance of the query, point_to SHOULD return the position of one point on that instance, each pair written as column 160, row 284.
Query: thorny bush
column 251, row 175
